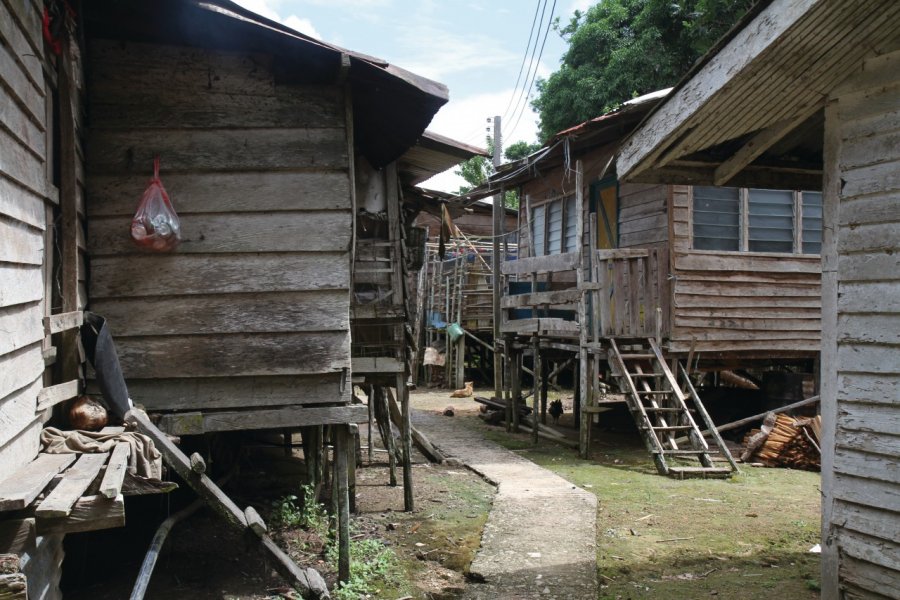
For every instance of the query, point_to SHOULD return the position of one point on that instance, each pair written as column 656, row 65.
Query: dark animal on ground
column 556, row 410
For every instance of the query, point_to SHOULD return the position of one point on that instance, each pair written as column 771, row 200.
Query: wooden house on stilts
column 269, row 144
column 826, row 75
column 648, row 282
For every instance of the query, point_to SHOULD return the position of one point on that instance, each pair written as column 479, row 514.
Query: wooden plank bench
column 67, row 493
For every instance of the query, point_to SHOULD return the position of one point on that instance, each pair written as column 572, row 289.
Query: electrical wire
column 534, row 76
column 522, row 100
column 524, row 57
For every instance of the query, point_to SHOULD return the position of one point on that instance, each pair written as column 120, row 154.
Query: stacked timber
column 785, row 441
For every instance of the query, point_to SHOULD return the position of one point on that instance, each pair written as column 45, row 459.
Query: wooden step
column 646, row 375
column 637, row 356
column 684, row 452
column 647, row 393
column 672, row 428
column 683, row 472
column 662, row 409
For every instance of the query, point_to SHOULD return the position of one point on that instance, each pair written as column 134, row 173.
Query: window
column 812, row 222
column 771, row 227
column 757, row 220
column 717, row 218
column 554, row 226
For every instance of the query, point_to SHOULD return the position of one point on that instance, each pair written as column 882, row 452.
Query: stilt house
column 825, row 74
column 262, row 134
column 633, row 277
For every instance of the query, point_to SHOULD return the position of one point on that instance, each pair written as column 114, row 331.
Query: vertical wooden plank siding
column 863, row 485
column 23, row 185
column 253, row 307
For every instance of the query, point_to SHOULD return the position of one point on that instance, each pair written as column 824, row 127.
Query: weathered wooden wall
column 643, row 215
column 476, row 223
column 23, row 224
column 30, row 192
column 252, row 309
column 861, row 336
column 749, row 302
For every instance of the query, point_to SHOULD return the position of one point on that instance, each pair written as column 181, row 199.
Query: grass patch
column 744, row 537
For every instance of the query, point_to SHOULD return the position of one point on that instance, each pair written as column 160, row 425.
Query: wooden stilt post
column 406, row 435
column 370, row 401
column 536, row 403
column 341, row 436
column 545, row 381
column 352, row 463
column 387, row 436
column 515, row 375
column 584, row 369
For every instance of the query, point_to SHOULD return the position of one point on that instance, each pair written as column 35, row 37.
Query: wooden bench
column 67, row 493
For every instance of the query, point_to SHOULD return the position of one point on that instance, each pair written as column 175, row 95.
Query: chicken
column 465, row 392
column 556, row 410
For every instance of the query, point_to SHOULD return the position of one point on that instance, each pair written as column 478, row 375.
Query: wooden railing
column 629, row 295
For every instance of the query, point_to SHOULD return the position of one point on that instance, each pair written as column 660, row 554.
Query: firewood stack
column 791, row 442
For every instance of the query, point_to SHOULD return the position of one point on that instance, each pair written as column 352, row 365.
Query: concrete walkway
column 540, row 536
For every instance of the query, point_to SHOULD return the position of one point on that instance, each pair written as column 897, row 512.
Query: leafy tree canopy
column 620, row 49
column 520, row 150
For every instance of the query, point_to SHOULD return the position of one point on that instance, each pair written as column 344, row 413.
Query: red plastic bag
column 155, row 225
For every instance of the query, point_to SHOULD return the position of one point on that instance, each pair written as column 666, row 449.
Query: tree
column 520, row 150
column 620, row 49
column 478, row 169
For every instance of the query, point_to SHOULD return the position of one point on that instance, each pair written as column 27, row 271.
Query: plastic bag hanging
column 155, row 225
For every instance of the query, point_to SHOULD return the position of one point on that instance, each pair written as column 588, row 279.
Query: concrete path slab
column 540, row 536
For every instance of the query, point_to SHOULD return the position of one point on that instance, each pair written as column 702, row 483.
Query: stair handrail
column 707, row 420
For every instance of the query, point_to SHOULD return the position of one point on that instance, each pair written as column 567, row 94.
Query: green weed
column 373, row 566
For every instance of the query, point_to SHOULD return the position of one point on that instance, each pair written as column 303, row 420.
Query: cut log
column 755, row 418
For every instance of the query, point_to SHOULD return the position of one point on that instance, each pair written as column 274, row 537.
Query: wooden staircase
column 661, row 408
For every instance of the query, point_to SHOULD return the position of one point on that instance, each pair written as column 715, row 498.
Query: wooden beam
column 21, row 488
column 111, row 485
column 75, row 482
column 539, row 298
column 552, row 263
column 89, row 513
column 759, row 143
column 63, row 322
column 195, row 423
column 377, row 364
column 53, row 395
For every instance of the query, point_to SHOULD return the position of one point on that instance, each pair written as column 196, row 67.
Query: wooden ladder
column 660, row 409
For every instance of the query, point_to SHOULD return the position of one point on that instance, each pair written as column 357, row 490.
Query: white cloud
column 303, row 26
column 436, row 52
column 269, row 9
column 582, row 5
column 465, row 119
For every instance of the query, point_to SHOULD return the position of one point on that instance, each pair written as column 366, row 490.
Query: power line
column 525, row 57
column 534, row 76
column 531, row 63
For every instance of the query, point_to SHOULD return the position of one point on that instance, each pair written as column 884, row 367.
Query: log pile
column 785, row 441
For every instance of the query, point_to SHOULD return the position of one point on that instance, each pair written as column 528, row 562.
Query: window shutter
column 716, row 218
column 537, row 229
column 554, row 228
column 812, row 222
column 571, row 224
column 771, row 221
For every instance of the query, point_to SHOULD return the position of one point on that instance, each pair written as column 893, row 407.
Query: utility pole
column 495, row 269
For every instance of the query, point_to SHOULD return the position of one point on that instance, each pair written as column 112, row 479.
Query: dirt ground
column 657, row 538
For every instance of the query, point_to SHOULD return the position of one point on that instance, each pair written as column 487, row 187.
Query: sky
column 477, row 48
